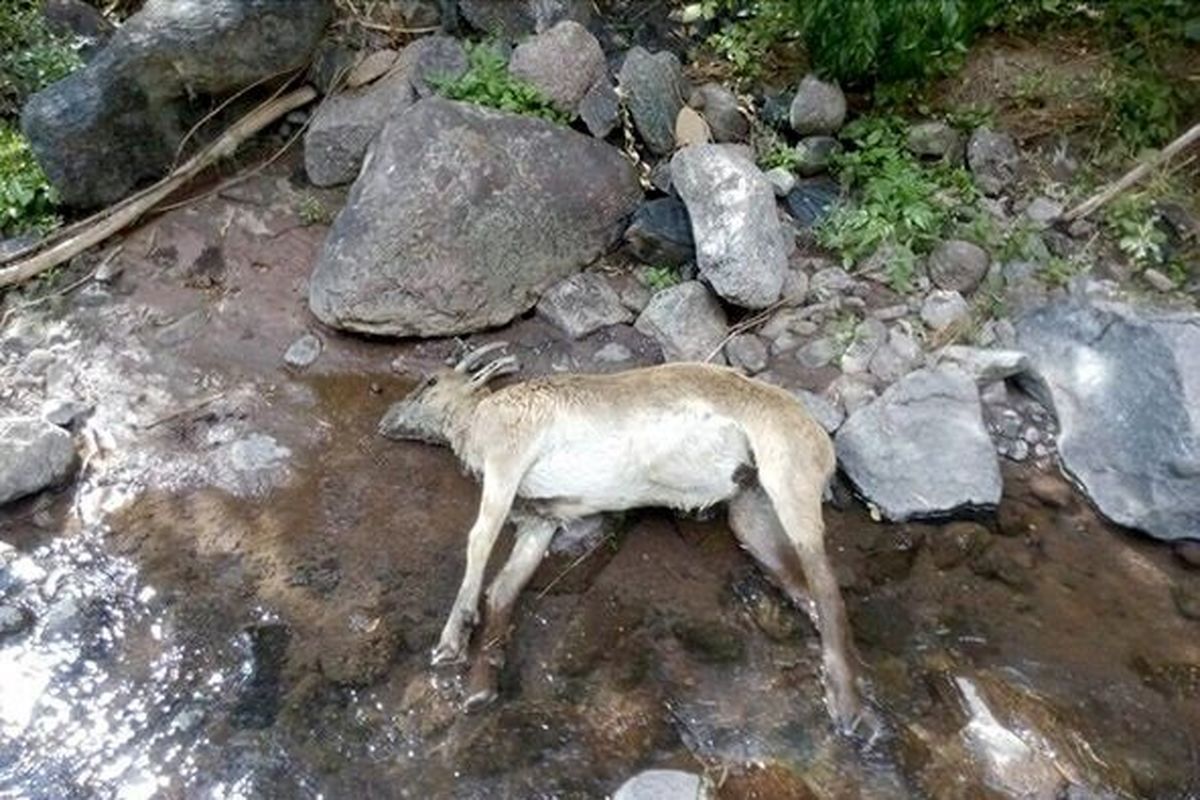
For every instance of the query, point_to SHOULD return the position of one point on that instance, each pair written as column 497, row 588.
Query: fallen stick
column 1134, row 175
column 128, row 212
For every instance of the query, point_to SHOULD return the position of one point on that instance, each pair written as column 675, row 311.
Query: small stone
column 1053, row 492
column 830, row 281
column 613, row 353
column 890, row 313
column 817, row 353
column 34, row 455
column 600, row 108
column 664, row 784
column 687, row 322
column 852, row 392
column 582, row 304
column 818, row 108
column 303, row 352
column 691, row 129
column 13, row 620
column 957, row 542
column 934, row 140
column 1043, row 212
column 1082, row 229
column 795, row 286
column 869, row 335
column 993, row 158
column 562, row 63
column 985, row 365
column 942, row 309
column 720, row 107
column 65, row 413
column 781, row 180
column 374, row 66
column 748, row 352
column 1018, row 451
column 1158, row 280
column 958, row 265
column 1010, row 563
column 814, row 154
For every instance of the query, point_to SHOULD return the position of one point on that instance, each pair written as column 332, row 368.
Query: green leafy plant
column 902, row 204
column 312, row 211
column 659, row 278
column 487, row 82
column 31, row 56
column 1142, row 108
column 1059, row 271
column 1133, row 220
column 27, row 201
column 778, row 154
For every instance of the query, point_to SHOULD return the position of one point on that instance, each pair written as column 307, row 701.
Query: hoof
column 479, row 700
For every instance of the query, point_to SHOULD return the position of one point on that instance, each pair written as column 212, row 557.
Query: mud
column 238, row 597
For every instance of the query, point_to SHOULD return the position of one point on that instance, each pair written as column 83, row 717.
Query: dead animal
column 684, row 436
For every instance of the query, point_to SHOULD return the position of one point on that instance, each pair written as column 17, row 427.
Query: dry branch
column 130, row 210
column 1134, row 175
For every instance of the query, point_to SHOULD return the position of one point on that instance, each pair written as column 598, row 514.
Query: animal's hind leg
column 757, row 527
column 533, row 538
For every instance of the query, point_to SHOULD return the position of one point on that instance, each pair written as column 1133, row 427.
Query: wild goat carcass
column 684, row 436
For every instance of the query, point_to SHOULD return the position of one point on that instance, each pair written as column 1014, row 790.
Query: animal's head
column 428, row 411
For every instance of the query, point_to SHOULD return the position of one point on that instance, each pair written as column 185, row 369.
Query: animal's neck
column 458, row 426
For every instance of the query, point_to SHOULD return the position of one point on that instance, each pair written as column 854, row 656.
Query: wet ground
column 238, row 596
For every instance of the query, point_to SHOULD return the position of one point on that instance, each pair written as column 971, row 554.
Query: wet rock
column 582, row 304
column 814, row 154
column 774, row 615
column 748, row 352
column 812, row 200
column 653, row 87
column 993, row 158
column 34, row 455
column 13, row 620
column 828, row 413
column 921, row 449
column 346, row 123
column 563, row 63
column 446, row 251
column 686, row 321
column 943, row 308
column 740, row 246
column 303, row 352
column 984, row 365
column 891, row 553
column 958, row 266
column 956, row 543
column 1017, row 518
column 258, row 696
column 600, row 108
column 818, row 108
column 130, row 98
column 661, row 233
column 1009, row 562
column 66, row 413
column 934, row 140
column 709, row 641
column 781, row 180
column 1124, row 384
column 720, row 107
column 515, row 19
column 691, row 129
column 664, row 784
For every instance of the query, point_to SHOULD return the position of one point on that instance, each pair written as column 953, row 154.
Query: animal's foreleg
column 533, row 538
column 498, row 492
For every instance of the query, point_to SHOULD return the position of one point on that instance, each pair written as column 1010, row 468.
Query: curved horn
column 501, row 366
column 473, row 358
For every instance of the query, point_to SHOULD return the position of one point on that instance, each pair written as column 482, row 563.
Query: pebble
column 613, row 353
column 13, row 620
column 303, row 352
column 1158, row 280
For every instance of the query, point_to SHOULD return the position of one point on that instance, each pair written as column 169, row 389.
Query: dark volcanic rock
column 661, row 233
column 463, row 216
column 653, row 86
column 120, row 119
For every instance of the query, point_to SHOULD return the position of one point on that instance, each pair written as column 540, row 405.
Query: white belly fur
column 683, row 457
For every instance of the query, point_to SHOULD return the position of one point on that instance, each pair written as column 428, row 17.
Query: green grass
column 27, row 201
column 901, row 202
column 659, row 278
column 31, row 56
column 487, row 82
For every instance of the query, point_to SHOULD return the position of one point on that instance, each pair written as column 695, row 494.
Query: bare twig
column 126, row 213
column 748, row 324
column 1134, row 176
column 191, row 408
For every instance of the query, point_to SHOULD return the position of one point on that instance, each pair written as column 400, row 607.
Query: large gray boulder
column 653, row 87
column 463, row 216
column 346, row 123
column 1125, row 386
column 921, row 449
column 563, row 64
column 34, row 454
column 740, row 245
column 118, row 121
